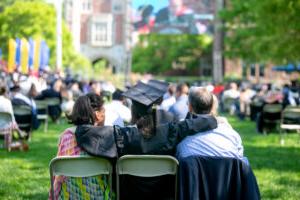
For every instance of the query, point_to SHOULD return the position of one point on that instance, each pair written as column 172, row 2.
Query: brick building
column 98, row 29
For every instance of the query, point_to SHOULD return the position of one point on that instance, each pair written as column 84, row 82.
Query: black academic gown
column 115, row 141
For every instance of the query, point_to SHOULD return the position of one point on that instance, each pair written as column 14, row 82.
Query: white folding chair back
column 5, row 123
column 22, row 110
column 43, row 105
column 5, row 119
column 146, row 166
column 290, row 113
column 53, row 101
column 79, row 166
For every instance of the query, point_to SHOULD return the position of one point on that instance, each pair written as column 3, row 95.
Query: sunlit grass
column 277, row 167
column 25, row 175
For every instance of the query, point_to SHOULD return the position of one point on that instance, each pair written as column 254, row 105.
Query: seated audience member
column 6, row 107
column 19, row 99
column 168, row 98
column 245, row 99
column 288, row 97
column 116, row 113
column 88, row 109
column 53, row 92
column 230, row 98
column 67, row 101
column 95, row 87
column 220, row 142
column 180, row 108
column 76, row 92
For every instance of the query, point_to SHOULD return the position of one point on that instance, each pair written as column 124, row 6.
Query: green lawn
column 24, row 175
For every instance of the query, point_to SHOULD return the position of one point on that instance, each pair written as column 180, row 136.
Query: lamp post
column 218, row 44
column 58, row 6
column 127, row 41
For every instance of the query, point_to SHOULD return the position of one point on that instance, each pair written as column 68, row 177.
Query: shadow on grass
column 35, row 196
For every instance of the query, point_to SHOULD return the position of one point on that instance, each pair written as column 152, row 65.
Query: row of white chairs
column 136, row 165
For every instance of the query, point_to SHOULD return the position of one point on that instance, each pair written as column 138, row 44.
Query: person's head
column 233, row 86
column 171, row 90
column 88, row 109
column 95, row 87
column 15, row 89
column 117, row 95
column 32, row 91
column 57, row 85
column 201, row 101
column 182, row 89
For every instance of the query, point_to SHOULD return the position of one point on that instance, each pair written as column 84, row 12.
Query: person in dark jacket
column 53, row 92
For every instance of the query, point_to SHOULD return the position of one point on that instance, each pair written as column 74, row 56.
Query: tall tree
column 263, row 31
column 156, row 53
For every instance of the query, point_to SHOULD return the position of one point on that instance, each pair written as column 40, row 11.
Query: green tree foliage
column 5, row 3
column 37, row 19
column 262, row 31
column 155, row 53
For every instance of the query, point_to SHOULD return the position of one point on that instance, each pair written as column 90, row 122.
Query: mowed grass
column 25, row 175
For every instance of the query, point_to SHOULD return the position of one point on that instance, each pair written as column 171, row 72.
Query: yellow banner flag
column 24, row 56
column 36, row 57
column 11, row 55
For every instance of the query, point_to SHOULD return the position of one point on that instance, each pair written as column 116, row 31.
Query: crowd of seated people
column 179, row 121
column 26, row 90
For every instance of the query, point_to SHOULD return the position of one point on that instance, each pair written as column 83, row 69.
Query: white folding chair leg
column 46, row 125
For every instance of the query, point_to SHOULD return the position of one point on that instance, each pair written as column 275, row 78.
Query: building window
column 100, row 34
column 261, row 70
column 101, row 30
column 86, row 6
column 118, row 6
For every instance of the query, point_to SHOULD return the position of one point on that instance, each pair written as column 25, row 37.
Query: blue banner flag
column 44, row 56
column 31, row 53
column 18, row 52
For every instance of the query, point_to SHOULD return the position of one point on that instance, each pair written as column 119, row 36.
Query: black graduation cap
column 144, row 95
column 161, row 85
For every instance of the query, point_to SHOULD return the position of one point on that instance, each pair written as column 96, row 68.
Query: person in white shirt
column 6, row 107
column 223, row 141
column 169, row 98
column 116, row 113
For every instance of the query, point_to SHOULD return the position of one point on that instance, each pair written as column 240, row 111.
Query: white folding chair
column 146, row 166
column 53, row 101
column 272, row 109
column 79, row 166
column 6, row 121
column 289, row 115
column 42, row 105
column 22, row 110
